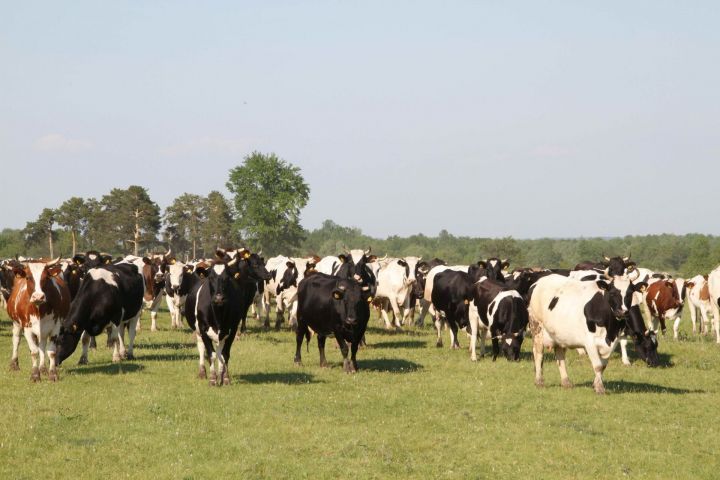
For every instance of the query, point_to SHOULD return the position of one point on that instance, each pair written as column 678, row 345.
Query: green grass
column 413, row 411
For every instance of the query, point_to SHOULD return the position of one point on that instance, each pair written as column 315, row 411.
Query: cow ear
column 289, row 264
column 482, row 263
column 640, row 286
column 147, row 261
column 505, row 263
column 19, row 272
column 79, row 259
column 342, row 258
column 338, row 294
column 603, row 285
column 402, row 262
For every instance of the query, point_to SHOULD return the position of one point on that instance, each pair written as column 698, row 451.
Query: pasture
column 413, row 411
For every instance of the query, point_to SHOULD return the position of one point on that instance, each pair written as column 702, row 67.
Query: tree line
column 268, row 195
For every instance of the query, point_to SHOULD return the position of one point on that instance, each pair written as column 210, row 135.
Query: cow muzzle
column 218, row 299
column 37, row 298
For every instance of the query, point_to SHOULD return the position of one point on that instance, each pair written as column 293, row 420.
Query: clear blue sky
column 484, row 118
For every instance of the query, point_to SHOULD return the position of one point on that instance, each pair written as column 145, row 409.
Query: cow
column 633, row 325
column 494, row 268
column 110, row 296
column 288, row 277
column 7, row 278
column 332, row 305
column 614, row 267
column 503, row 312
column 216, row 305
column 664, row 303
column 451, row 294
column 38, row 304
column 698, row 298
column 177, row 283
column 72, row 275
column 397, row 284
column 569, row 313
column 714, row 291
column 421, row 275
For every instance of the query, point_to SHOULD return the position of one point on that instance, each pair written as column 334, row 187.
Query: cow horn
column 259, row 253
column 169, row 252
column 53, row 262
column 367, row 252
column 346, row 250
column 625, row 259
column 607, row 259
column 232, row 262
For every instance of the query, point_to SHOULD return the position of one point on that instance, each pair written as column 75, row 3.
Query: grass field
column 413, row 411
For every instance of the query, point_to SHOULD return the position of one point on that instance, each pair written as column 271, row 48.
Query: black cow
column 419, row 288
column 504, row 311
column 614, row 267
column 494, row 267
column 110, row 295
column 451, row 294
column 73, row 275
column 7, row 276
column 217, row 304
column 332, row 305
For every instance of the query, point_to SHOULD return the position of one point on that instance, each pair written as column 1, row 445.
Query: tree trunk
column 50, row 243
column 194, row 244
column 74, row 242
column 137, row 232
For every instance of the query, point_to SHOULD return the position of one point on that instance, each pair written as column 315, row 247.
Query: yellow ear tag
column 336, row 295
column 73, row 272
column 74, row 327
column 370, row 299
column 237, row 275
column 467, row 302
column 107, row 262
column 246, row 255
column 172, row 262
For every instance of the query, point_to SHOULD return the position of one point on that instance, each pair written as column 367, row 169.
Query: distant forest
column 683, row 255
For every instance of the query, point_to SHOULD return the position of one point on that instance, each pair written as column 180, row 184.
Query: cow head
column 37, row 276
column 410, row 265
column 220, row 281
column 478, row 270
column 253, row 264
column 495, row 267
column 178, row 276
column 511, row 345
column 618, row 266
column 289, row 278
column 346, row 297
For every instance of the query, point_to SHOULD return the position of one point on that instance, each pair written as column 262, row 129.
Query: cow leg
column 597, row 364
column 153, row 318
column 16, row 329
column 202, row 373
column 265, row 308
column 483, row 331
column 302, row 331
column 121, row 339
column 52, row 372
column 85, row 341
column 347, row 364
column 716, row 326
column 293, row 315
column 223, row 375
column 662, row 324
column 438, row 327
column 693, row 318
column 560, row 358
column 132, row 331
column 397, row 314
column 384, row 313
column 34, row 353
column 321, row 349
column 114, row 338
column 43, row 348
column 454, row 344
column 424, row 306
column 623, row 351
column 93, row 343
column 538, row 356
column 705, row 319
column 473, row 337
column 353, row 352
column 279, row 313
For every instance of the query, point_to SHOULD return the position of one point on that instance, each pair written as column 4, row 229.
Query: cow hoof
column 226, row 379
column 116, row 359
column 14, row 365
column 83, row 361
column 323, row 365
column 600, row 390
column 298, row 363
column 35, row 375
column 43, row 370
column 213, row 380
column 540, row 383
column 566, row 383
column 202, row 374
column 438, row 344
column 455, row 347
column 130, row 356
column 627, row 364
column 53, row 376
column 473, row 358
column 153, row 329
column 347, row 366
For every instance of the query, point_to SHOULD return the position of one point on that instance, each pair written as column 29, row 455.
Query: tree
column 218, row 231
column 130, row 216
column 269, row 195
column 42, row 228
column 185, row 219
column 73, row 216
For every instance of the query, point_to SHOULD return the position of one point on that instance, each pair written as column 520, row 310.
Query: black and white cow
column 216, row 305
column 110, row 295
column 423, row 270
column 614, row 267
column 332, row 305
column 178, row 282
column 569, row 313
column 451, row 292
column 503, row 312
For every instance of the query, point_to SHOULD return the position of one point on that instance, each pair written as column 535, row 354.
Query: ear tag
column 107, row 262
column 246, row 255
column 337, row 296
column 172, row 262
column 370, row 299
column 73, row 272
column 237, row 275
column 467, row 302
column 74, row 327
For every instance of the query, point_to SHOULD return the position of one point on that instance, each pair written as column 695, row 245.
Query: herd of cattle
column 60, row 303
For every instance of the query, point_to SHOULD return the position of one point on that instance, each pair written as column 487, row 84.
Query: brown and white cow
column 39, row 302
column 663, row 301
column 698, row 298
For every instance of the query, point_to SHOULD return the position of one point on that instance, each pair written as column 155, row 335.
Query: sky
column 483, row 118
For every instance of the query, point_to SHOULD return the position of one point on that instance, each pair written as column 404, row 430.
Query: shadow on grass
column 106, row 369
column 623, row 386
column 393, row 332
column 163, row 345
column 287, row 378
column 163, row 357
column 399, row 344
column 390, row 365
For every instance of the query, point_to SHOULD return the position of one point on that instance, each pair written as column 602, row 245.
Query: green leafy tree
column 185, row 220
column 218, row 231
column 130, row 216
column 41, row 229
column 73, row 217
column 269, row 195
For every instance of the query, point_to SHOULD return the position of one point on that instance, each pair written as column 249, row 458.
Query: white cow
column 289, row 272
column 559, row 310
column 698, row 298
column 175, row 295
column 395, row 288
column 714, row 290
